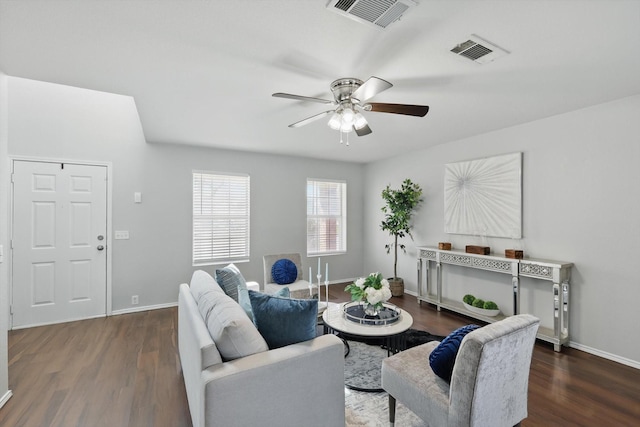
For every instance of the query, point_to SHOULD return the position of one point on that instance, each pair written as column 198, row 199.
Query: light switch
column 137, row 197
column 122, row 235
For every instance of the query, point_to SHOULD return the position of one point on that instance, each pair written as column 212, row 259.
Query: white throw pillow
column 202, row 282
column 230, row 328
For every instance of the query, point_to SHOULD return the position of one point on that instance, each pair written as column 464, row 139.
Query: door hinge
column 12, row 176
column 11, row 309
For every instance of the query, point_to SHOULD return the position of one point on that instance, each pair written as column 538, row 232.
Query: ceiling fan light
column 359, row 121
column 335, row 121
column 348, row 116
column 346, row 127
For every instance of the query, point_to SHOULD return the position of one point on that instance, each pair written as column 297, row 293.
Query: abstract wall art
column 483, row 197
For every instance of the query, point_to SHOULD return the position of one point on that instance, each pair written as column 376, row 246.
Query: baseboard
column 6, row 398
column 605, row 355
column 143, row 308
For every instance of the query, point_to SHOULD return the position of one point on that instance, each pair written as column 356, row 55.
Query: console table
column 556, row 272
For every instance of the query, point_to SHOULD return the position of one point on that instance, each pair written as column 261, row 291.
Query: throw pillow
column 245, row 302
column 201, row 284
column 283, row 321
column 284, row 271
column 229, row 278
column 443, row 357
column 230, row 328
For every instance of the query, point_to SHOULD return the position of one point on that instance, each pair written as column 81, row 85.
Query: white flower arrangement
column 373, row 290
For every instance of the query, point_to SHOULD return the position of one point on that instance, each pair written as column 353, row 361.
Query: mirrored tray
column 354, row 312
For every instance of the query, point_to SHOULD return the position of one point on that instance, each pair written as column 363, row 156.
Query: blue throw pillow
column 229, row 278
column 284, row 271
column 245, row 302
column 444, row 355
column 283, row 321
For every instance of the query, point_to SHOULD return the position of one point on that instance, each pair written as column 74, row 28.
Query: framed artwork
column 483, row 197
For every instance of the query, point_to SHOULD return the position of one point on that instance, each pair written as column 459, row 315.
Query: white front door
column 59, row 242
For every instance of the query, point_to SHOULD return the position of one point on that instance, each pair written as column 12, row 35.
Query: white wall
column 48, row 120
column 581, row 203
column 4, row 202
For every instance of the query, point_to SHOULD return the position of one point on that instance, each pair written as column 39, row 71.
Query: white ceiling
column 202, row 72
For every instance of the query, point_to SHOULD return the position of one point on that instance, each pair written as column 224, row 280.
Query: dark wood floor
column 125, row 371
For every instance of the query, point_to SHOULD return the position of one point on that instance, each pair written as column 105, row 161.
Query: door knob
column 100, row 247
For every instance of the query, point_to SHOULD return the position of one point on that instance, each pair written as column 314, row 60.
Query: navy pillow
column 444, row 355
column 284, row 271
column 284, row 321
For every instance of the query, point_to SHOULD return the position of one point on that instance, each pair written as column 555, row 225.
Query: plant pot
column 396, row 286
column 483, row 311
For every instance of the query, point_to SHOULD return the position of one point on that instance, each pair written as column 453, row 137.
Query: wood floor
column 125, row 371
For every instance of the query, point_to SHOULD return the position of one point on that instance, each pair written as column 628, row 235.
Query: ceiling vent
column 380, row 13
column 479, row 50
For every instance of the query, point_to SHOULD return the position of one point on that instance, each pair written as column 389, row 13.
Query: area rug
column 364, row 359
column 372, row 410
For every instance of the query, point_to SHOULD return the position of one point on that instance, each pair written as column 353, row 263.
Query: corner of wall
column 4, row 232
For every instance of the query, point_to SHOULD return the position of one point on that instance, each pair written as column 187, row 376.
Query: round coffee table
column 392, row 334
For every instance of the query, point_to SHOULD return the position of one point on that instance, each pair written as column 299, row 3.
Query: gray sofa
column 300, row 384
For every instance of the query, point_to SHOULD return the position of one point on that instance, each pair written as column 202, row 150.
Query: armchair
column 489, row 381
column 299, row 288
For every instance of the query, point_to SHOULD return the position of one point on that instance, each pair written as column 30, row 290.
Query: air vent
column 479, row 50
column 380, row 13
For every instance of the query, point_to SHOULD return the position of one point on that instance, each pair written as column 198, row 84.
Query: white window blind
column 326, row 217
column 220, row 218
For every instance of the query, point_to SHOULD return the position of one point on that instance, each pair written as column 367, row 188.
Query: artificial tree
column 399, row 207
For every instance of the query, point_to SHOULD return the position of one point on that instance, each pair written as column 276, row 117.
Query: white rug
column 372, row 410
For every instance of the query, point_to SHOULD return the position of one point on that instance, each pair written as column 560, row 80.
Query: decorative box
column 480, row 250
column 446, row 246
column 513, row 253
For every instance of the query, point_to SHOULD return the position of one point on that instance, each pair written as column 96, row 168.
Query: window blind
column 220, row 218
column 326, row 217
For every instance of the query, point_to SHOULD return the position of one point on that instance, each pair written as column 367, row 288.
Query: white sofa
column 298, row 385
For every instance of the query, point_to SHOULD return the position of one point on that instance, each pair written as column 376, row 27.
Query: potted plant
column 397, row 221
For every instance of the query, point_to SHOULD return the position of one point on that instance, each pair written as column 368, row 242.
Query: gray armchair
column 489, row 381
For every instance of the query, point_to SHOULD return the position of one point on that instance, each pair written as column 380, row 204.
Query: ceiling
column 202, row 72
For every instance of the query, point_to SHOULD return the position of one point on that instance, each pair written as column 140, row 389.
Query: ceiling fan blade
column 310, row 119
column 302, row 98
column 365, row 130
column 406, row 109
column 370, row 88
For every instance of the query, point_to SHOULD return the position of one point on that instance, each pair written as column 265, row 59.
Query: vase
column 371, row 309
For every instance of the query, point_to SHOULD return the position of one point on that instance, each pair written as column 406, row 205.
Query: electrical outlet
column 134, row 300
column 122, row 235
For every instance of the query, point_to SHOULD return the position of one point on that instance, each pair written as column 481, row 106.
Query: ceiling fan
column 351, row 96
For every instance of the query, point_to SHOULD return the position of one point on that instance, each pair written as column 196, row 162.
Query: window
column 220, row 218
column 326, row 217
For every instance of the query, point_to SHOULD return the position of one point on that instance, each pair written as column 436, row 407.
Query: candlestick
column 326, row 272
column 318, row 266
column 326, row 291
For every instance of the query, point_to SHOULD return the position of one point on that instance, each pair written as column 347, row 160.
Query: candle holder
column 326, row 292
column 319, row 276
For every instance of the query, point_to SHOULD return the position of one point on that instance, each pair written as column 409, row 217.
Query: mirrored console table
column 556, row 272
